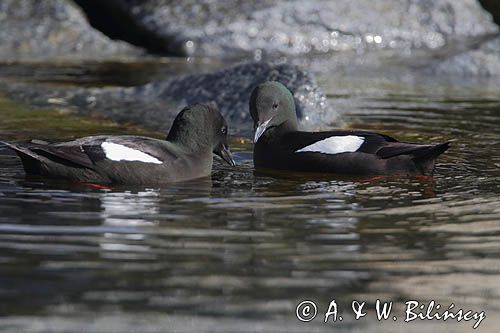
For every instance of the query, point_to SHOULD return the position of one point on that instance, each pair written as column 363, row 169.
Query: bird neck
column 277, row 131
column 289, row 125
column 190, row 141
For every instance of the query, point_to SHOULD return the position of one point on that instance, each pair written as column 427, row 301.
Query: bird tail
column 425, row 159
column 31, row 161
column 431, row 152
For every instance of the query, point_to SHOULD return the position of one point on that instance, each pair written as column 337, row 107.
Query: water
column 239, row 251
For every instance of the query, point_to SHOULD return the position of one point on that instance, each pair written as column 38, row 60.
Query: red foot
column 100, row 187
column 374, row 179
column 425, row 177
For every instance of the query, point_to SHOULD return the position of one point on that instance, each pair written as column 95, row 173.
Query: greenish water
column 239, row 251
column 20, row 122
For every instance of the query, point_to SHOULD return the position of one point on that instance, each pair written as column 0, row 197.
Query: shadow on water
column 239, row 251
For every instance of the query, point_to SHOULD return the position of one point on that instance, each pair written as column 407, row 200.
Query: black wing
column 86, row 152
column 381, row 145
column 418, row 151
column 69, row 155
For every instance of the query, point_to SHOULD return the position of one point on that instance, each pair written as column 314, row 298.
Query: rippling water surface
column 239, row 251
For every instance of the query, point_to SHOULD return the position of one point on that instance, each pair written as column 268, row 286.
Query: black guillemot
column 280, row 145
column 197, row 132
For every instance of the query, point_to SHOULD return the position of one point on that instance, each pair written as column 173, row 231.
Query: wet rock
column 53, row 30
column 365, row 30
column 155, row 104
column 229, row 28
column 408, row 30
column 483, row 60
column 230, row 89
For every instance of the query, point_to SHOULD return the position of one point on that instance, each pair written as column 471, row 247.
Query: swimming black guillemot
column 197, row 132
column 280, row 145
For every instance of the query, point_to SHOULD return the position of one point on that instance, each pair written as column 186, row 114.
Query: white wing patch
column 335, row 145
column 118, row 152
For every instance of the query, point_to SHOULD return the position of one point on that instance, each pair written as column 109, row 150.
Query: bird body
column 280, row 145
column 197, row 132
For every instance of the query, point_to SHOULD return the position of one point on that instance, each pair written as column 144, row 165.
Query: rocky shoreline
column 290, row 41
column 67, row 30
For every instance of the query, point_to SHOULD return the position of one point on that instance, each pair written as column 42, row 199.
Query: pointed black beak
column 223, row 151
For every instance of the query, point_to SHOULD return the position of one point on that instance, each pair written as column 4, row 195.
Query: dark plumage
column 196, row 133
column 280, row 145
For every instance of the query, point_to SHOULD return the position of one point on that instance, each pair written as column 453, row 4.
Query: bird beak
column 261, row 128
column 223, row 152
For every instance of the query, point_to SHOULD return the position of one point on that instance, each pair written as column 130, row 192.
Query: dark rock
column 116, row 24
column 53, row 30
column 230, row 89
column 154, row 105
column 493, row 6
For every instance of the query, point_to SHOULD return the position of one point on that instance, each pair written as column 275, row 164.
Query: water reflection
column 131, row 211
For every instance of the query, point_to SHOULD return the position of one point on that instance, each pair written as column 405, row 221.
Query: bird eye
column 224, row 130
column 275, row 106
